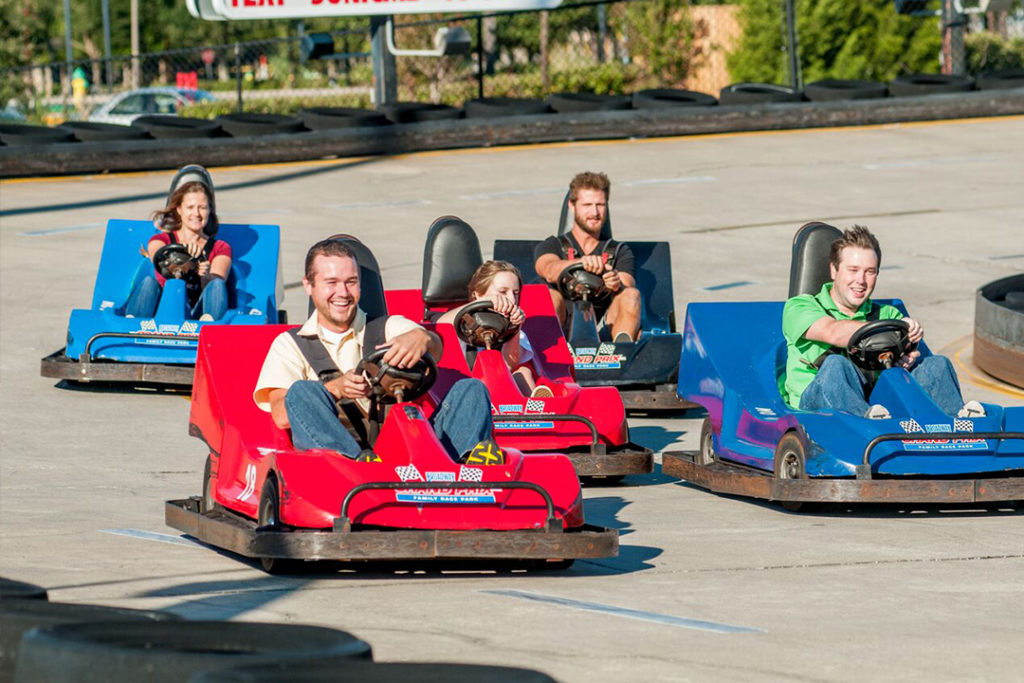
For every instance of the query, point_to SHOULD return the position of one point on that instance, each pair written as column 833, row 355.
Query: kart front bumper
column 59, row 366
column 722, row 477
column 241, row 536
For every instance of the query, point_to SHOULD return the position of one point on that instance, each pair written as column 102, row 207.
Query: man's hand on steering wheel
column 611, row 279
column 407, row 349
column 593, row 263
column 915, row 331
column 351, row 385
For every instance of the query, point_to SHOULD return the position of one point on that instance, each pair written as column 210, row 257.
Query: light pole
column 136, row 76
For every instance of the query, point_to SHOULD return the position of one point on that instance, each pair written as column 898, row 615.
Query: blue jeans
column 840, row 385
column 461, row 421
column 145, row 296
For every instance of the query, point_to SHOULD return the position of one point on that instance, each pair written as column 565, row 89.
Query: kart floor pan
column 240, row 535
column 59, row 366
column 627, row 459
column 737, row 480
column 655, row 397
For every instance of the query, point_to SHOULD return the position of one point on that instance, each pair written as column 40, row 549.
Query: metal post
column 953, row 22
column 385, row 73
column 602, row 32
column 136, row 75
column 480, row 56
column 793, row 48
column 238, row 74
column 545, row 76
column 67, row 54
column 106, row 46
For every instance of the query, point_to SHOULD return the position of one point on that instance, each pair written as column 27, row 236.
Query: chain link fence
column 602, row 47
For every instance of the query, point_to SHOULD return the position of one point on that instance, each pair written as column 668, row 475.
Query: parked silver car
column 128, row 106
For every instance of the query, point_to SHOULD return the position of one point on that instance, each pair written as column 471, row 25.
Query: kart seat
column 808, row 269
column 450, row 257
column 371, row 298
column 565, row 220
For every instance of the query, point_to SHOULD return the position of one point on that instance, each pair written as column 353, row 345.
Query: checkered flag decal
column 534, row 405
column 963, row 426
column 408, row 473
column 911, row 426
column 471, row 474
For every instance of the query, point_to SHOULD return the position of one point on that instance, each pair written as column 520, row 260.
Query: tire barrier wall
column 999, row 329
column 97, row 157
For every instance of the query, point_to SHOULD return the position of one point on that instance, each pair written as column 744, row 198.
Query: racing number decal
column 250, row 482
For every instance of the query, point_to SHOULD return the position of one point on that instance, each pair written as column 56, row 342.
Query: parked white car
column 128, row 106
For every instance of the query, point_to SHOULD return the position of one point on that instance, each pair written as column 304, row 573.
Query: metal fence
column 604, row 47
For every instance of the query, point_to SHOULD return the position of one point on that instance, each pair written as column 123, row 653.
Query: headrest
column 566, row 219
column 808, row 269
column 371, row 297
column 194, row 173
column 450, row 257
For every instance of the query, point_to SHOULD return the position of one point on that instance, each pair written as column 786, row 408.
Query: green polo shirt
column 798, row 315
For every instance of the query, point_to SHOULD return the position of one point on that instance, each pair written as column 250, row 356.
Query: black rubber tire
column 705, row 454
column 833, row 89
column 1001, row 80
column 758, row 93
column 269, row 519
column 929, row 84
column 249, row 125
column 20, row 616
column 282, row 316
column 492, row 107
column 91, row 131
column 791, row 463
column 164, row 127
column 19, row 590
column 171, row 651
column 662, row 98
column 328, row 118
column 326, row 671
column 417, row 112
column 16, row 134
column 569, row 103
column 207, row 503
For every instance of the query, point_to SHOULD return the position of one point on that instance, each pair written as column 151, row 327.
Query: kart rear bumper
column 58, row 366
column 653, row 397
column 239, row 535
column 736, row 480
column 614, row 462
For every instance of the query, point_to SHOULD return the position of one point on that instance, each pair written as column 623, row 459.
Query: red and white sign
column 301, row 9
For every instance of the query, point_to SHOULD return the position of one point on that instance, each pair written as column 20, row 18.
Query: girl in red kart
column 500, row 282
column 188, row 219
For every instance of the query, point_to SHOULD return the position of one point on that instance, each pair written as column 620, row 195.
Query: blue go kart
column 754, row 444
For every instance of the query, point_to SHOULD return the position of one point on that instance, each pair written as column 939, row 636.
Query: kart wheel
column 706, row 452
column 208, row 502
column 790, row 463
column 270, row 520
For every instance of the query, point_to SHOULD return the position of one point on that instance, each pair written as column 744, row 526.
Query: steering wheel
column 478, row 324
column 174, row 262
column 880, row 344
column 575, row 283
column 391, row 384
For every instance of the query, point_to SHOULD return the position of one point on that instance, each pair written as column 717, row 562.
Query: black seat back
column 808, row 269
column 565, row 221
column 371, row 298
column 194, row 173
column 450, row 257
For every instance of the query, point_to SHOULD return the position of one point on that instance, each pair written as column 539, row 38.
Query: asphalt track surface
column 706, row 587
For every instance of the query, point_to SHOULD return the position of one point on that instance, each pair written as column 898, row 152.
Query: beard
column 581, row 222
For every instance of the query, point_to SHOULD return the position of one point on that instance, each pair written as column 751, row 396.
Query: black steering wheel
column 391, row 384
column 575, row 283
column 174, row 262
column 880, row 344
column 478, row 324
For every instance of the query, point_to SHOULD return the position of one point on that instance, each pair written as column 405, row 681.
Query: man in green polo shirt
column 814, row 325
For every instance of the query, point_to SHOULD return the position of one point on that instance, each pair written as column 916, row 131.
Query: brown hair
column 327, row 247
column 858, row 236
column 485, row 274
column 168, row 219
column 589, row 180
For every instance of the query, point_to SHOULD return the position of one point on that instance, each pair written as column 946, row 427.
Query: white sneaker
column 541, row 391
column 972, row 409
column 878, row 412
column 206, row 318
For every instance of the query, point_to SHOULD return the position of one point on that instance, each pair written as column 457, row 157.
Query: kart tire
column 269, row 519
column 164, row 127
column 663, row 98
column 91, row 131
column 791, row 463
column 574, row 102
column 832, row 89
column 329, row 118
column 17, row 134
column 18, row 617
column 282, row 316
column 705, row 454
column 354, row 671
column 1001, row 80
column 248, row 125
column 758, row 93
column 171, row 651
column 418, row 112
column 207, row 503
column 492, row 107
column 19, row 590
column 929, row 84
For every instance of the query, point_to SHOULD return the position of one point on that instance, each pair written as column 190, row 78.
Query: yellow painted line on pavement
column 983, row 381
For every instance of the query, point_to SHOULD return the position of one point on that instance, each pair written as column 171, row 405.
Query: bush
column 987, row 51
column 278, row 105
